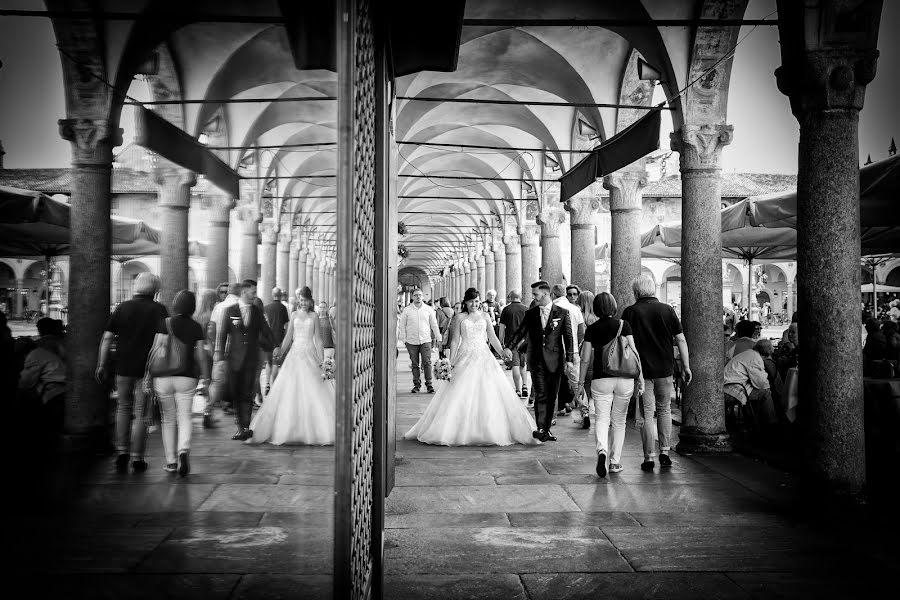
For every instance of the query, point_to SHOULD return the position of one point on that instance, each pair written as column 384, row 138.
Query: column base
column 695, row 442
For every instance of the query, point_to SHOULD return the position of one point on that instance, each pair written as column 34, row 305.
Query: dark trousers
column 546, row 388
column 241, row 389
column 416, row 353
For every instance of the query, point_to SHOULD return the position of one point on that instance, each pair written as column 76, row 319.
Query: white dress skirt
column 300, row 406
column 478, row 406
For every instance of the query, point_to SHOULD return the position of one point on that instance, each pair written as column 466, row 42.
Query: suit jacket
column 241, row 342
column 550, row 339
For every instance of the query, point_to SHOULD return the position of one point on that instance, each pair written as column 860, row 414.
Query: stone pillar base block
column 703, row 443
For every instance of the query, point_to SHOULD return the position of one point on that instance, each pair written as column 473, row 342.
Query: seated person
column 743, row 332
column 876, row 342
column 746, row 380
column 891, row 333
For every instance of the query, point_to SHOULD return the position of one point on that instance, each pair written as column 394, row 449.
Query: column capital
column 269, row 234
column 550, row 220
column 582, row 209
column 174, row 185
column 625, row 189
column 513, row 243
column 499, row 251
column 220, row 210
column 531, row 234
column 92, row 140
column 700, row 146
column 488, row 256
column 284, row 241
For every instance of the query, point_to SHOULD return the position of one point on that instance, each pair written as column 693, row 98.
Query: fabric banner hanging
column 632, row 143
column 156, row 134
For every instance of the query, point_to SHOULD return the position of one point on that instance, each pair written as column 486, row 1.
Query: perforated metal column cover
column 363, row 317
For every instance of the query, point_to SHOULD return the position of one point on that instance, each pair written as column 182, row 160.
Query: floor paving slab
column 515, row 479
column 434, row 520
column 263, row 549
column 461, row 499
column 88, row 550
column 500, row 550
column 314, row 479
column 413, row 479
column 712, row 519
column 639, row 586
column 461, row 587
column 792, row 586
column 573, row 519
column 134, row 586
column 468, row 467
column 205, row 519
column 283, row 587
column 125, row 498
column 298, row 520
column 667, row 498
column 738, row 548
column 270, row 498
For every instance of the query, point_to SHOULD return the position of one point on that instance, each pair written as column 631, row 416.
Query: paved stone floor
column 255, row 522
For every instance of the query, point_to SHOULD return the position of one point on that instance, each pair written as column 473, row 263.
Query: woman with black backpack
column 609, row 348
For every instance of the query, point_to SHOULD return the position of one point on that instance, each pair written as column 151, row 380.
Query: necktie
column 545, row 314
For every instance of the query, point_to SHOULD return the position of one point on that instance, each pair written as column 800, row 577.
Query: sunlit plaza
column 196, row 196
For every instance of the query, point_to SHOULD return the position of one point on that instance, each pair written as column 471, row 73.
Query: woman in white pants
column 176, row 391
column 610, row 395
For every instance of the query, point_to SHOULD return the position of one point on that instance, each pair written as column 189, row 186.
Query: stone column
column 174, row 198
column 467, row 277
column 266, row 282
column 250, row 219
column 625, row 203
column 317, row 278
column 331, row 283
column 292, row 271
column 500, row 270
column 703, row 414
column 489, row 282
column 86, row 410
column 790, row 299
column 310, row 269
column 473, row 269
column 481, row 283
column 550, row 221
column 217, row 248
column 531, row 258
column 825, row 74
column 20, row 285
column 513, row 248
column 301, row 269
column 581, row 214
column 283, row 269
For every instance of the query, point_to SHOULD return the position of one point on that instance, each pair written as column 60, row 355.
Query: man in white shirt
column 746, row 380
column 418, row 327
column 572, row 370
column 218, row 384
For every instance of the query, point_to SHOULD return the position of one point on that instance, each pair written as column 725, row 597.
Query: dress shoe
column 537, row 434
column 139, row 466
column 647, row 466
column 246, row 434
column 239, row 435
column 549, row 437
column 664, row 460
column 601, row 464
column 184, row 467
column 122, row 463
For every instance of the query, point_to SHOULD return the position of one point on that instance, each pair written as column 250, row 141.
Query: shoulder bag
column 618, row 359
column 168, row 355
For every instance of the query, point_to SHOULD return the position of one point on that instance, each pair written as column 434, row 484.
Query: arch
column 893, row 277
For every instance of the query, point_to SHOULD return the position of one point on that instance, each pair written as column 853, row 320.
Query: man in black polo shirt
column 277, row 318
column 654, row 326
column 134, row 324
column 510, row 319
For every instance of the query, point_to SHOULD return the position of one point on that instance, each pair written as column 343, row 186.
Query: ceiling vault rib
column 533, row 103
column 648, row 22
column 230, row 101
column 506, row 148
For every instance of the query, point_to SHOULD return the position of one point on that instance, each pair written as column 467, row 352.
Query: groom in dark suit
column 547, row 327
column 243, row 333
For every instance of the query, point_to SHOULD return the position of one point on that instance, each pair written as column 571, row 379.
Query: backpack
column 168, row 355
column 617, row 357
column 443, row 320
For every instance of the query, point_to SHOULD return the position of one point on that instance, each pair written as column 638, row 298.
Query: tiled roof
column 59, row 181
column 734, row 185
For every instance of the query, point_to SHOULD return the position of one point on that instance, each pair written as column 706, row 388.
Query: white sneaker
column 615, row 468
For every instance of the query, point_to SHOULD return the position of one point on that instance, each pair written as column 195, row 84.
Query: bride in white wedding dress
column 300, row 406
column 478, row 406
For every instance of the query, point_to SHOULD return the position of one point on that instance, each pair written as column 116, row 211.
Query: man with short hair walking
column 133, row 324
column 510, row 319
column 418, row 326
column 277, row 318
column 654, row 326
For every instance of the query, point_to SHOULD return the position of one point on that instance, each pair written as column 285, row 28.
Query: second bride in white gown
column 478, row 406
column 300, row 406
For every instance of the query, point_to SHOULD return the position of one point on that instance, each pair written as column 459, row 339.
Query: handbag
column 618, row 359
column 168, row 355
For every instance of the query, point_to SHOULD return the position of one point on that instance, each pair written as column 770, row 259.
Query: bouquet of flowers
column 442, row 369
column 327, row 369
